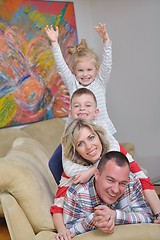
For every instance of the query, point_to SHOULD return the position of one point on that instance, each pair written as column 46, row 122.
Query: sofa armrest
column 25, row 175
column 17, row 222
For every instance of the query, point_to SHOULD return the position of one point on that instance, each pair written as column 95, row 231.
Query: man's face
column 83, row 107
column 110, row 184
column 88, row 145
column 85, row 71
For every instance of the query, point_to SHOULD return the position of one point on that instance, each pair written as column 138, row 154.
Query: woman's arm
column 84, row 176
column 76, row 212
column 71, row 168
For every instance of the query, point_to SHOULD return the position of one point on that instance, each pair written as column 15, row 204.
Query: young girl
column 86, row 71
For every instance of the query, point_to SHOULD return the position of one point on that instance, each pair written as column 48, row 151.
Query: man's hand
column 104, row 218
column 101, row 30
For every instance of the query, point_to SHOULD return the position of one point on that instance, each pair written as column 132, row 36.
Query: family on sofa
column 84, row 142
column 101, row 192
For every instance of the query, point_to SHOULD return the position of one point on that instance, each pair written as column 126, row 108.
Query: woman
column 83, row 143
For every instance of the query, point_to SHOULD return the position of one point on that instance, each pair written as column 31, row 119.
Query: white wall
column 133, row 93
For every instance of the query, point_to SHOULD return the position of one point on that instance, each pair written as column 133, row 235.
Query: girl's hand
column 52, row 34
column 101, row 30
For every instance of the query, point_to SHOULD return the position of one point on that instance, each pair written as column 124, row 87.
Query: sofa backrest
column 48, row 133
column 24, row 173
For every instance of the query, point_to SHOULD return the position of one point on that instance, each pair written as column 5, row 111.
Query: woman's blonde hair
column 80, row 51
column 70, row 136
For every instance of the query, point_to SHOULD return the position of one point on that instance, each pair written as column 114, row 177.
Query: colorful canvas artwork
column 30, row 88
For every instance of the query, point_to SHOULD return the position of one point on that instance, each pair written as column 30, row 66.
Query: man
column 112, row 196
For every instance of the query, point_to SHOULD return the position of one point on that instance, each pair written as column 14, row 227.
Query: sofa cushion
column 48, row 133
column 24, row 173
column 7, row 136
column 147, row 231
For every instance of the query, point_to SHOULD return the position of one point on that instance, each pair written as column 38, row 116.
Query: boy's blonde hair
column 81, row 51
column 70, row 135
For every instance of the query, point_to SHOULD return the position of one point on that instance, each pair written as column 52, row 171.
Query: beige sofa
column 27, row 187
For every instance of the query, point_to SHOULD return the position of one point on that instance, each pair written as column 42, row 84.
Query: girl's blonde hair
column 81, row 51
column 70, row 136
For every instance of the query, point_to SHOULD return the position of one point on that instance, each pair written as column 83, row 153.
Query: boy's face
column 83, row 107
column 85, row 71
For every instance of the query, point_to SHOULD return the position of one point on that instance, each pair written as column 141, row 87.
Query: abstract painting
column 31, row 90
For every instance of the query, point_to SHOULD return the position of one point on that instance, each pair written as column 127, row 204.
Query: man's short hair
column 119, row 158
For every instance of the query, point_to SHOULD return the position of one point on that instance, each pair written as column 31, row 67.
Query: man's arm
column 133, row 207
column 77, row 210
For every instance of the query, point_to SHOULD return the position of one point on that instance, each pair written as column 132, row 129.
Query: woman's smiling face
column 88, row 145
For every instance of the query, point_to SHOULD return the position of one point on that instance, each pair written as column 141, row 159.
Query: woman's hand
column 84, row 176
column 52, row 34
column 101, row 30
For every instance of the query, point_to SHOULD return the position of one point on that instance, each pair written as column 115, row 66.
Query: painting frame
column 31, row 90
